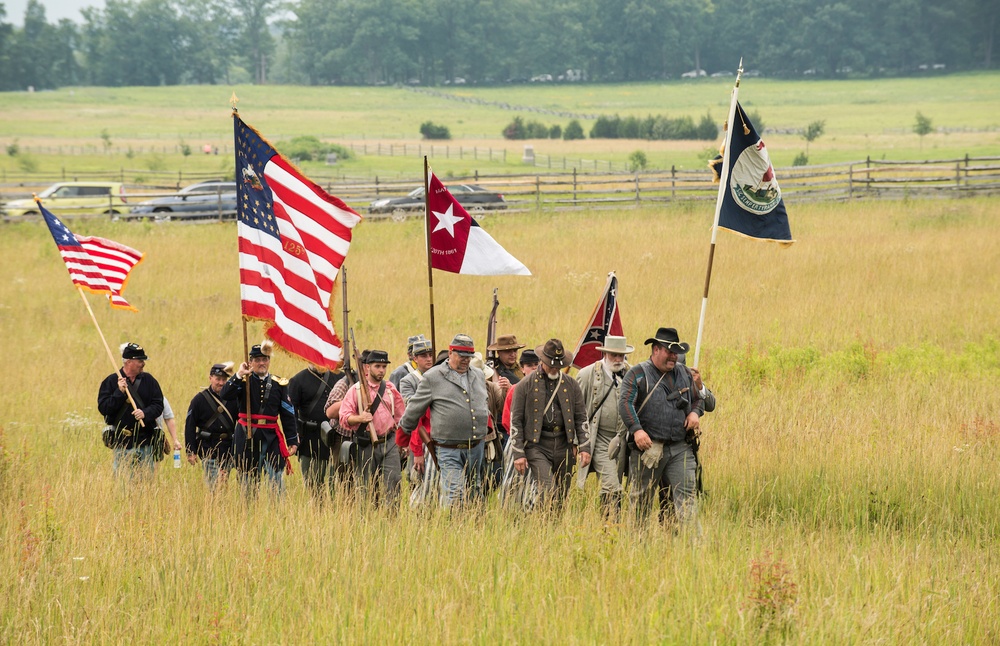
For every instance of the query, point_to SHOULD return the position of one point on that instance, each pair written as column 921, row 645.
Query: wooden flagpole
column 723, row 182
column 430, row 270
column 107, row 348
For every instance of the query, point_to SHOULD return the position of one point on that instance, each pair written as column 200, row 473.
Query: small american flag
column 96, row 264
column 293, row 238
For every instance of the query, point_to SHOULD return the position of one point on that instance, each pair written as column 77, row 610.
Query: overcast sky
column 55, row 10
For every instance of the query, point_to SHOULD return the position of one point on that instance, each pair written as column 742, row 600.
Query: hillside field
column 851, row 466
column 146, row 128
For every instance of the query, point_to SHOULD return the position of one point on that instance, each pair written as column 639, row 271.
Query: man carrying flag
column 293, row 238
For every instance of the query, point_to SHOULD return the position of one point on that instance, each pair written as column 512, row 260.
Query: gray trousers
column 551, row 462
column 379, row 471
column 676, row 470
column 605, row 468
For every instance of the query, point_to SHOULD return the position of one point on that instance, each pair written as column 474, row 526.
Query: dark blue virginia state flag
column 752, row 204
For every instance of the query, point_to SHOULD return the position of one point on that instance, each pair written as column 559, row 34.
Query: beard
column 614, row 366
column 551, row 376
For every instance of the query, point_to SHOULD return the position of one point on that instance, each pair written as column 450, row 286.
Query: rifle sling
column 375, row 403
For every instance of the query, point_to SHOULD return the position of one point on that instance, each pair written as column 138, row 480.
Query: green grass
column 863, row 117
column 851, row 464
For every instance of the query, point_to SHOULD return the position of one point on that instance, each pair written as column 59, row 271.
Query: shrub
column 637, row 160
column 309, row 148
column 536, row 130
column 431, row 130
column 555, row 132
column 514, row 129
column 801, row 159
column 185, row 148
column 13, row 148
column 573, row 131
column 707, row 128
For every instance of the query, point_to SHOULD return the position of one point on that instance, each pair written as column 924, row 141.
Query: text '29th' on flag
column 752, row 204
column 96, row 264
column 458, row 244
column 605, row 320
column 293, row 238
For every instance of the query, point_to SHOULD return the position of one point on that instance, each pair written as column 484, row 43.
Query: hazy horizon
column 55, row 10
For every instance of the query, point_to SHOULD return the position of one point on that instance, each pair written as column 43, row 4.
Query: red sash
column 269, row 422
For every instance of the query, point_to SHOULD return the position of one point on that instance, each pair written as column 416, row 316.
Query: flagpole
column 430, row 270
column 723, row 182
column 345, row 341
column 107, row 348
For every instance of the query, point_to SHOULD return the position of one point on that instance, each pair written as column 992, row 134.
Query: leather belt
column 471, row 444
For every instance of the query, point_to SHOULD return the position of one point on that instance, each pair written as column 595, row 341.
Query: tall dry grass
column 851, row 465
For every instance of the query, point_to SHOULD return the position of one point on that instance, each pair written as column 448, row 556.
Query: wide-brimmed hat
column 667, row 337
column 377, row 356
column 528, row 358
column 221, row 370
column 506, row 342
column 133, row 351
column 477, row 362
column 615, row 344
column 463, row 345
column 554, row 355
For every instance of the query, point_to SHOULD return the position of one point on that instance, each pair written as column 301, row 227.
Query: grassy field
column 866, row 117
column 851, row 464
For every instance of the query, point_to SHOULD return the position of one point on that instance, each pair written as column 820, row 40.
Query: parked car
column 74, row 198
column 205, row 199
column 471, row 196
column 693, row 74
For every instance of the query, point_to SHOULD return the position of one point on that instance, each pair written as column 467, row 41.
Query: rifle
column 491, row 333
column 364, row 401
column 347, row 344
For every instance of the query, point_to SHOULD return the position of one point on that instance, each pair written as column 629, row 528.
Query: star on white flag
column 446, row 220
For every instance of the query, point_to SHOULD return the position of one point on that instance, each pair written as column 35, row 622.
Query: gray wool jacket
column 457, row 414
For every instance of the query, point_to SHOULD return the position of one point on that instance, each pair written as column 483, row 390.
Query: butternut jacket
column 529, row 405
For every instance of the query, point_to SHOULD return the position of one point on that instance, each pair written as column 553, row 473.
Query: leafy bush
column 801, row 159
column 637, row 160
column 309, row 148
column 707, row 128
column 431, row 130
column 514, row 129
column 13, row 148
column 573, row 131
column 537, row 130
column 555, row 132
column 185, row 148
column 658, row 127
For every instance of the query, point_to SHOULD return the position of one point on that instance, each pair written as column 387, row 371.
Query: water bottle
column 177, row 458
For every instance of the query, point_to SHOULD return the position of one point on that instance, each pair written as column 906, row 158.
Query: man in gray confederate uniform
column 600, row 383
column 661, row 409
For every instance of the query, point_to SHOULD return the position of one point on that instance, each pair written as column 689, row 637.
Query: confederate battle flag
column 458, row 244
column 604, row 321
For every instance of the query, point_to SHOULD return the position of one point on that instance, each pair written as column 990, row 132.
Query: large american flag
column 604, row 321
column 96, row 264
column 293, row 238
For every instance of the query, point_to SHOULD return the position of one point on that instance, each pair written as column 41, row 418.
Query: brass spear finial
column 233, row 100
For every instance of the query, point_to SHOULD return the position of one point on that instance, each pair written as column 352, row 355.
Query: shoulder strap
column 322, row 393
column 650, row 393
column 614, row 384
column 220, row 408
column 555, row 391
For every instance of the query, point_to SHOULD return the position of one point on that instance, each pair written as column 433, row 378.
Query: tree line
column 326, row 42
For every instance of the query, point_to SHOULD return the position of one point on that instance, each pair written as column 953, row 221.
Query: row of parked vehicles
column 213, row 199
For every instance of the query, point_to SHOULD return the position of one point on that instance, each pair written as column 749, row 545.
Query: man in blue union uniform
column 268, row 445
